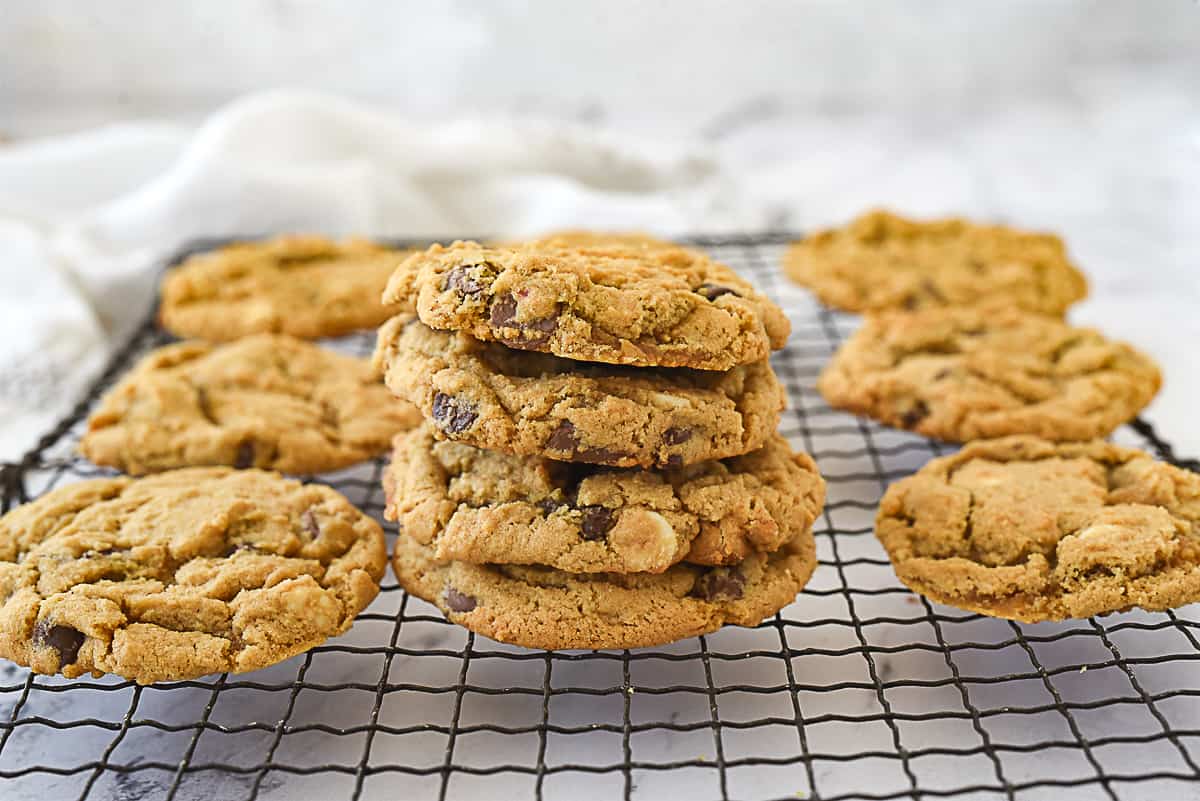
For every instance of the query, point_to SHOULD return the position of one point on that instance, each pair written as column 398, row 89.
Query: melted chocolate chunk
column 459, row 601
column 534, row 334
column 916, row 414
column 549, row 505
column 460, row 279
column 504, row 309
column 674, row 460
column 719, row 584
column 563, row 437
column 714, row 291
column 597, row 521
column 245, row 455
column 64, row 639
column 677, row 436
column 309, row 519
column 453, row 415
column 599, row 455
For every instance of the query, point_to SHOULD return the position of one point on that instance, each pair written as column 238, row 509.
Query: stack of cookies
column 1036, row 518
column 212, row 564
column 599, row 466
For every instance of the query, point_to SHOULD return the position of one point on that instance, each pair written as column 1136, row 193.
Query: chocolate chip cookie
column 580, row 237
column 268, row 401
column 306, row 286
column 612, row 302
column 977, row 372
column 182, row 574
column 540, row 607
column 883, row 261
column 491, row 396
column 1030, row 530
column 480, row 506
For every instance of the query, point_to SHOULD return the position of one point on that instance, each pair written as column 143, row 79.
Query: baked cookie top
column 491, row 396
column 267, row 401
column 540, row 607
column 972, row 373
column 612, row 302
column 182, row 574
column 883, row 261
column 306, row 286
column 1030, row 530
column 582, row 237
column 482, row 506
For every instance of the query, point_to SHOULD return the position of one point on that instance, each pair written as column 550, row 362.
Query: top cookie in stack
column 590, row 388
column 625, row 302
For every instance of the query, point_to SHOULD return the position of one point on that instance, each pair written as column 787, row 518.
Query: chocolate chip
column 504, row 309
column 245, row 455
column 460, row 279
column 677, row 436
column 64, row 639
column 563, row 437
column 459, row 601
column 719, row 584
column 533, row 335
column 597, row 521
column 916, row 414
column 453, row 415
column 674, row 460
column 599, row 455
column 714, row 291
column 549, row 505
column 309, row 519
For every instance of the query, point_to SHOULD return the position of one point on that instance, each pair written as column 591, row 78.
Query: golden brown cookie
column 306, row 286
column 480, row 506
column 267, row 401
column 182, row 574
column 614, row 303
column 1031, row 530
column 531, row 404
column 581, row 237
column 882, row 261
column 540, row 607
column 972, row 373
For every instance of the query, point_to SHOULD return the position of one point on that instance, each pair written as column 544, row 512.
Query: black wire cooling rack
column 859, row 690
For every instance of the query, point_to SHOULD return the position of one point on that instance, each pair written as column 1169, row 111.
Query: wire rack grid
column 859, row 690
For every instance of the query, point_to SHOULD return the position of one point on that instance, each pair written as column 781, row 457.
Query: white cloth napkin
column 84, row 218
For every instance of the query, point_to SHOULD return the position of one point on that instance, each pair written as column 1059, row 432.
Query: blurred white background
column 1076, row 116
column 691, row 67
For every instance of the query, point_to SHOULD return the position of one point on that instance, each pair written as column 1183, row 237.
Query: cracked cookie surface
column 182, row 574
column 1030, row 530
column 884, row 261
column 540, row 607
column 613, row 302
column 267, row 400
column 975, row 373
column 491, row 396
column 481, row 506
column 306, row 286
